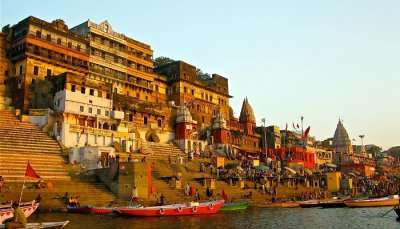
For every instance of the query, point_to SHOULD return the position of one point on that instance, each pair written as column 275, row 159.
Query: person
column 224, row 196
column 209, row 192
column 134, row 196
column 187, row 189
column 65, row 198
column 197, row 195
column 162, row 200
column 38, row 198
column 19, row 219
column 129, row 158
column 1, row 183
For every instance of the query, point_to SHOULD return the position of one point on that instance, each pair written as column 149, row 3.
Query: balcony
column 117, row 115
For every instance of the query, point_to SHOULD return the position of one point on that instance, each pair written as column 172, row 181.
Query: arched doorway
column 151, row 136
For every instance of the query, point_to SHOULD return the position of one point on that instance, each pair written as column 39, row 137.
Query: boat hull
column 102, row 211
column 7, row 213
column 287, row 204
column 382, row 202
column 397, row 210
column 234, row 207
column 172, row 210
column 47, row 225
column 310, row 204
column 333, row 204
column 79, row 210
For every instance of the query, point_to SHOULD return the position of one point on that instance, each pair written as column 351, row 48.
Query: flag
column 307, row 132
column 298, row 126
column 294, row 127
column 30, row 172
column 286, row 127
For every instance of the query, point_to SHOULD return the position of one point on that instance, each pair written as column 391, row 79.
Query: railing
column 56, row 58
column 55, row 41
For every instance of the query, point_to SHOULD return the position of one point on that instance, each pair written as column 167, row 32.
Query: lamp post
column 362, row 142
column 265, row 136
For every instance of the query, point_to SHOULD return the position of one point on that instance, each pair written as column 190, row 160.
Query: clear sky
column 319, row 59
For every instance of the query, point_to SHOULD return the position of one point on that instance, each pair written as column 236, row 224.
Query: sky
column 318, row 59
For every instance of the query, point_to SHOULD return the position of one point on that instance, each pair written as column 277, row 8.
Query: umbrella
column 290, row 170
column 263, row 168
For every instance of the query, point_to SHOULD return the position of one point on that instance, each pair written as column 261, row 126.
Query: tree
column 162, row 60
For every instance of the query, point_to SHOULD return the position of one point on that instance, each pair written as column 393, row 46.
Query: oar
column 388, row 211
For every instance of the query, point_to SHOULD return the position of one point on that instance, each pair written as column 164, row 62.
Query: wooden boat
column 8, row 212
column 235, row 206
column 79, row 210
column 101, row 210
column 375, row 202
column 279, row 204
column 338, row 203
column 48, row 225
column 192, row 208
column 397, row 210
column 310, row 204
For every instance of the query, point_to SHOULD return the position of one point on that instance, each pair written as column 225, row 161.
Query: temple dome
column 183, row 115
column 341, row 140
column 247, row 114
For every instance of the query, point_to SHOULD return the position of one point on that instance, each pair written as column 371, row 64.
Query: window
column 78, row 47
column 130, row 117
column 81, row 108
column 59, row 41
column 20, row 69
column 156, row 88
column 159, row 123
column 202, row 118
column 107, row 113
column 192, row 92
column 48, row 37
column 83, row 90
column 108, row 96
column 184, row 90
column 211, row 98
column 69, row 44
column 98, row 111
column 35, row 70
column 73, row 88
column 48, row 72
column 90, row 110
column 91, row 92
column 145, row 120
column 147, row 98
column 99, row 93
column 38, row 34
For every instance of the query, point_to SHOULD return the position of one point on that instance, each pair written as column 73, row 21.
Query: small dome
column 247, row 114
column 183, row 115
column 219, row 122
column 341, row 139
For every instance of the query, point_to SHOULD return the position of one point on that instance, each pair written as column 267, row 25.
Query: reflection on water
column 252, row 218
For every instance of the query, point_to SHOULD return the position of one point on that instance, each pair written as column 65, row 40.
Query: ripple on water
column 311, row 218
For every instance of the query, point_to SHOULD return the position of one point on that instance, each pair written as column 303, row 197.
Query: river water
column 312, row 218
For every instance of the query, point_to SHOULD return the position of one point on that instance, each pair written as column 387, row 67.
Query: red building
column 294, row 155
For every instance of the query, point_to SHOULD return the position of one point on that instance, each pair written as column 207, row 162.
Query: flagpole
column 22, row 191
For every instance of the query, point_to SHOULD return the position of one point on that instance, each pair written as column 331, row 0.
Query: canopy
column 331, row 165
column 290, row 170
column 309, row 172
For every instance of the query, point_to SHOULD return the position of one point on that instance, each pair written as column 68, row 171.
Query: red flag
column 30, row 172
column 307, row 132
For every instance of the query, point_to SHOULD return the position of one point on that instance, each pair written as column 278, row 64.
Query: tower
column 247, row 118
column 341, row 140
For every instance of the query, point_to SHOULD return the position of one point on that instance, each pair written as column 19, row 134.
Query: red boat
column 195, row 208
column 101, row 210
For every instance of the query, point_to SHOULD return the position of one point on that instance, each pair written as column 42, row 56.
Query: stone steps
column 21, row 142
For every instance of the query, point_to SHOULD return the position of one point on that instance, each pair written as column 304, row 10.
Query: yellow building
column 37, row 49
column 333, row 181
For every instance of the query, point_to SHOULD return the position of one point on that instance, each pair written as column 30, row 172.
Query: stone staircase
column 21, row 142
column 161, row 151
